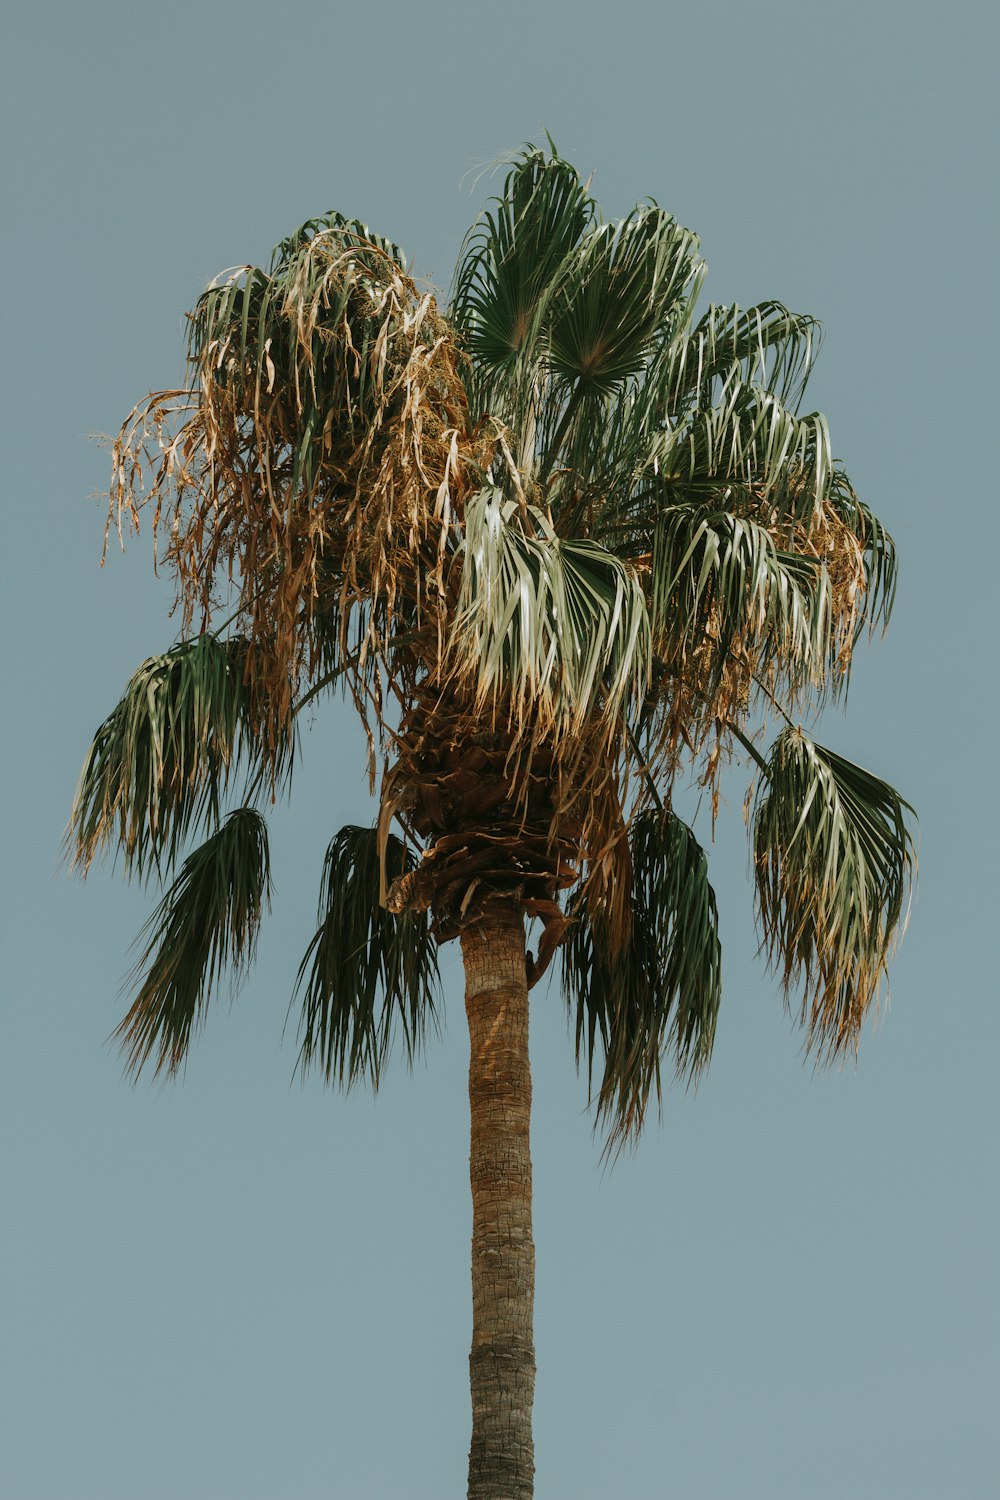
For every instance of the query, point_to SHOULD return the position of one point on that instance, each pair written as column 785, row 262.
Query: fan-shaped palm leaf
column 210, row 917
column 512, row 257
column 767, row 346
column 655, row 987
column 365, row 970
column 834, row 858
column 550, row 628
column 615, row 295
column 719, row 579
column 747, row 445
column 160, row 763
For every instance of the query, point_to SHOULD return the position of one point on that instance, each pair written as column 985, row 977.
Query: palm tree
column 560, row 545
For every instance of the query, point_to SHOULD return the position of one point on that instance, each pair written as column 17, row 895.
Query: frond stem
column 647, row 774
column 560, row 432
column 749, row 747
column 345, row 666
column 771, row 698
column 325, row 682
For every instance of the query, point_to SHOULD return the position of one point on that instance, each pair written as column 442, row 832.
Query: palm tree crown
column 559, row 544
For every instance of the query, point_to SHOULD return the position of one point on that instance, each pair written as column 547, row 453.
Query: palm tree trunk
column 502, row 1361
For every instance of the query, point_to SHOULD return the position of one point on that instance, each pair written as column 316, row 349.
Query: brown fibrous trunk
column 502, row 1361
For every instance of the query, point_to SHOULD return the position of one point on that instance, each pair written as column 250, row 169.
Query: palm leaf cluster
column 564, row 542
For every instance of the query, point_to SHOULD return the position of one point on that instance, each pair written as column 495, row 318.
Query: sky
column 240, row 1287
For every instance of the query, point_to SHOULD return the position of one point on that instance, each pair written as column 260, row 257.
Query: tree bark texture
column 502, row 1361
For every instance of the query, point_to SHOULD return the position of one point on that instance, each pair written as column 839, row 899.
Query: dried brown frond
column 317, row 462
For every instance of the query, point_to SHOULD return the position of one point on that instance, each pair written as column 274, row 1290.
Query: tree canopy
column 564, row 541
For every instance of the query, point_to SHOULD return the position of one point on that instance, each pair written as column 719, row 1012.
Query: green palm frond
column 766, row 346
column 617, row 294
column 160, row 763
column 208, row 919
column 656, row 988
column 732, row 359
column 239, row 311
column 512, row 257
column 365, row 970
column 833, row 860
column 746, row 443
column 551, row 628
column 719, row 579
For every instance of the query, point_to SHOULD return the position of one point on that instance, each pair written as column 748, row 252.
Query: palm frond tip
column 208, row 919
column 656, row 985
column 834, row 861
column 365, row 971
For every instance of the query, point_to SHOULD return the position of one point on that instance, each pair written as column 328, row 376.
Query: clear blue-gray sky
column 236, row 1288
